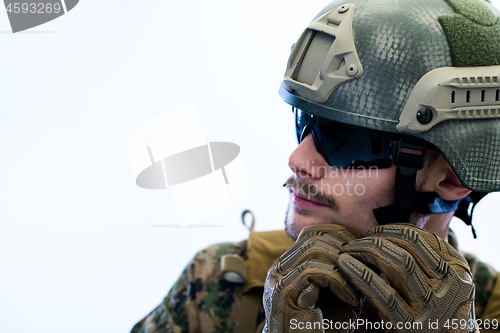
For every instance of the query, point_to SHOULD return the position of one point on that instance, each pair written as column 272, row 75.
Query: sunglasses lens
column 302, row 119
column 344, row 146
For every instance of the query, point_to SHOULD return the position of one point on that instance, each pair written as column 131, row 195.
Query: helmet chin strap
column 409, row 158
column 463, row 208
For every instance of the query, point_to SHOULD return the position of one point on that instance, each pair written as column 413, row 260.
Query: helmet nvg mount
column 426, row 70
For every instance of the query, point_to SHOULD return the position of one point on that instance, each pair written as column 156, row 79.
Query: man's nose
column 306, row 162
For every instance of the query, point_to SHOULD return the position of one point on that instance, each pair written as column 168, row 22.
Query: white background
column 79, row 250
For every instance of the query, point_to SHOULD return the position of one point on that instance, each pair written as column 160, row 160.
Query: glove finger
column 453, row 301
column 442, row 250
column 287, row 299
column 406, row 237
column 322, row 275
column 308, row 296
column 315, row 248
column 382, row 296
column 399, row 267
column 334, row 229
column 306, row 236
column 315, row 245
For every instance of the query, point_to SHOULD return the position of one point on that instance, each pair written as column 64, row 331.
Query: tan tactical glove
column 292, row 299
column 431, row 288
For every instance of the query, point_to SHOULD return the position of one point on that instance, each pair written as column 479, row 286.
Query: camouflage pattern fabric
column 202, row 301
column 485, row 278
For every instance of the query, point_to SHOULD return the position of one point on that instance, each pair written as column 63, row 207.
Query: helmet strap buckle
column 409, row 158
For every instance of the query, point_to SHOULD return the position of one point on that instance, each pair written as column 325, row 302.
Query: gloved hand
column 292, row 290
column 430, row 282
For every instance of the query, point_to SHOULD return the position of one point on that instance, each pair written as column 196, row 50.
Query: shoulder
column 209, row 258
column 200, row 300
column 206, row 264
column 209, row 301
column 205, row 269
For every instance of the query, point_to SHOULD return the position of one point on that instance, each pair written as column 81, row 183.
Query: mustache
column 312, row 192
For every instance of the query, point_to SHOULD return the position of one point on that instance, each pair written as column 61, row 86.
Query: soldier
column 397, row 116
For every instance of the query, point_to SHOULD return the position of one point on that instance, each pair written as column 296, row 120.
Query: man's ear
column 440, row 178
column 450, row 188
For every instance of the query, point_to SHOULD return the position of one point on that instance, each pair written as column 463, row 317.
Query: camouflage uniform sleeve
column 485, row 278
column 201, row 300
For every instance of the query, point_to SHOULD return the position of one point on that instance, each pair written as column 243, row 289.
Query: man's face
column 320, row 193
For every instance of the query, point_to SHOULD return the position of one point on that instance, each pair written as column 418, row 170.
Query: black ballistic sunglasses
column 344, row 146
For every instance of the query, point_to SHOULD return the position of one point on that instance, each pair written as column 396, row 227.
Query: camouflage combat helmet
column 425, row 69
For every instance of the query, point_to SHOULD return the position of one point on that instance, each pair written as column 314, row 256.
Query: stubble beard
column 311, row 192
column 419, row 220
